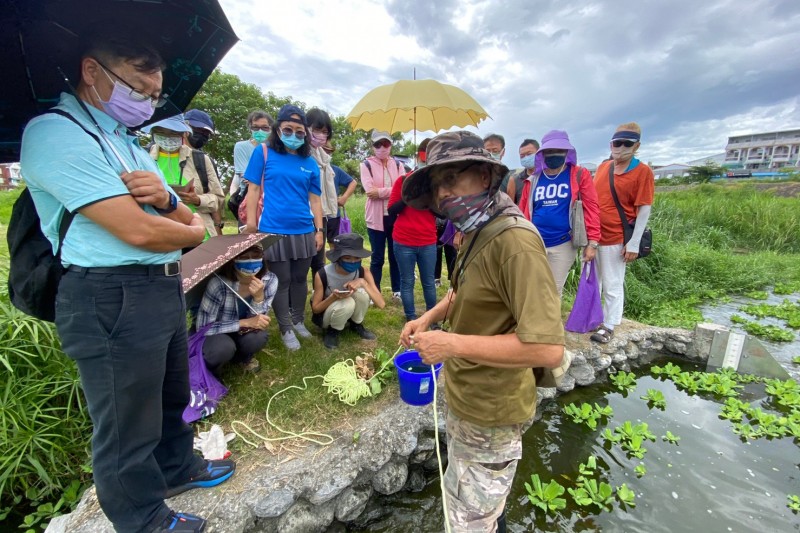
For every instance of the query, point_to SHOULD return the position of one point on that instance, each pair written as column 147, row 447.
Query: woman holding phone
column 343, row 289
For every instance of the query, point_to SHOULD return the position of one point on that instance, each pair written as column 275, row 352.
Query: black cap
column 286, row 112
column 347, row 244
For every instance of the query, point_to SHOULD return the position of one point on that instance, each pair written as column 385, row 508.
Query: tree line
column 229, row 100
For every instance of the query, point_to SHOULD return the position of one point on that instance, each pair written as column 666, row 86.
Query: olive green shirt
column 507, row 287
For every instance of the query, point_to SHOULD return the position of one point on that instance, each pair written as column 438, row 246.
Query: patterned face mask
column 466, row 212
column 168, row 144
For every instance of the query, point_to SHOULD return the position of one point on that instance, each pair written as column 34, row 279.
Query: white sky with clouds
column 690, row 73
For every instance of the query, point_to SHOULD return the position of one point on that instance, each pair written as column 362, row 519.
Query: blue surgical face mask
column 554, row 161
column 248, row 267
column 292, row 142
column 529, row 161
column 350, row 266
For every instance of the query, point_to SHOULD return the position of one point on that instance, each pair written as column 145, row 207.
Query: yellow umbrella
column 419, row 105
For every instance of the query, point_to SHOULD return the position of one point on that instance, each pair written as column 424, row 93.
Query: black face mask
column 198, row 140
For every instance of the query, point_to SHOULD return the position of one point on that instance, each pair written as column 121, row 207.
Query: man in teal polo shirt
column 120, row 312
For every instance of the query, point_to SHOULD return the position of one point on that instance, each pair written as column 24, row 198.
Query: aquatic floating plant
column 624, row 381
column 545, row 497
column 586, row 414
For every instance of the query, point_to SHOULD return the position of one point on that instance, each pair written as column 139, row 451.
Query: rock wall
column 321, row 489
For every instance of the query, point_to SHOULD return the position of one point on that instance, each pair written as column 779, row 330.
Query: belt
column 168, row 269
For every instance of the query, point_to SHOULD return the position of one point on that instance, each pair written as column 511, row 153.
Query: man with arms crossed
column 120, row 311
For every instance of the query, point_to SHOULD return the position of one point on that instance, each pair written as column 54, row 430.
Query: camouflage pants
column 481, row 467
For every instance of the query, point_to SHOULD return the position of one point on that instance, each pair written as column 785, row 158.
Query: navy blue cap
column 199, row 119
column 286, row 112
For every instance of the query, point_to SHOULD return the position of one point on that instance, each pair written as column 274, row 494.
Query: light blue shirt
column 64, row 167
column 242, row 151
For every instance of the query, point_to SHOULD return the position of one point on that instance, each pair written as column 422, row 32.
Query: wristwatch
column 593, row 244
column 318, row 230
column 173, row 205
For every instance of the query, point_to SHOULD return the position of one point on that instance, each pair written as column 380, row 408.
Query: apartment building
column 763, row 151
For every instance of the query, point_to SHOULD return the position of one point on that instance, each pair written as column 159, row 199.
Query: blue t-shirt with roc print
column 550, row 202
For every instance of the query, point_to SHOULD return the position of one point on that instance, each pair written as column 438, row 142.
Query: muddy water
column 710, row 482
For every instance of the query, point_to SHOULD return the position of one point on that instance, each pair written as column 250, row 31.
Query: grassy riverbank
column 710, row 241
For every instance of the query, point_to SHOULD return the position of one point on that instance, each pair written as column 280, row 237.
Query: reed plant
column 44, row 426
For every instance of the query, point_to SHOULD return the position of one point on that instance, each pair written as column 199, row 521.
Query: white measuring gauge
column 733, row 350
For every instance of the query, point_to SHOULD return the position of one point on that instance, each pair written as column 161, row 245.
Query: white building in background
column 718, row 159
column 763, row 151
column 674, row 170
column 9, row 176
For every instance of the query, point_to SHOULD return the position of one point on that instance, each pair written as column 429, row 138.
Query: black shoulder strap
column 199, row 160
column 81, row 126
column 622, row 216
column 369, row 168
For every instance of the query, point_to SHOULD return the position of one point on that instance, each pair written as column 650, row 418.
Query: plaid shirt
column 220, row 306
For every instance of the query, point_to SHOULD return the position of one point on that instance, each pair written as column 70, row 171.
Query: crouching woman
column 343, row 289
column 234, row 307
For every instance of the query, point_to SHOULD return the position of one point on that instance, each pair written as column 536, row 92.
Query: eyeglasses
column 262, row 128
column 617, row 143
column 300, row 134
column 385, row 143
column 155, row 101
column 447, row 176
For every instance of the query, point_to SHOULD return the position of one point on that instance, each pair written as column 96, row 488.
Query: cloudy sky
column 691, row 73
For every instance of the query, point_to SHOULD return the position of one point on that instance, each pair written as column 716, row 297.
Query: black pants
column 127, row 334
column 450, row 254
column 224, row 347
column 318, row 261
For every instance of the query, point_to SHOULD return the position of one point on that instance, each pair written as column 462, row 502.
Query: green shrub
column 44, row 426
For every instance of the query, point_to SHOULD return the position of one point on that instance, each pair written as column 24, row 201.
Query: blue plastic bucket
column 416, row 387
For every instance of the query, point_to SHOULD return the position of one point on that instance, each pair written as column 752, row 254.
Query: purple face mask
column 124, row 107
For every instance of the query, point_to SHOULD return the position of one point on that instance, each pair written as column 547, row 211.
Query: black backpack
column 316, row 318
column 237, row 198
column 35, row 271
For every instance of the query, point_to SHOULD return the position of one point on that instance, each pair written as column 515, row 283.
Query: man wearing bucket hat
column 634, row 185
column 549, row 195
column 342, row 290
column 505, row 318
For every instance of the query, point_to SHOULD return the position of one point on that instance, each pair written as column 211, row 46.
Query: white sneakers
column 290, row 341
column 301, row 330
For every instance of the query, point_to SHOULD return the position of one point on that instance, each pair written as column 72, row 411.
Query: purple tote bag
column 344, row 223
column 205, row 390
column 587, row 312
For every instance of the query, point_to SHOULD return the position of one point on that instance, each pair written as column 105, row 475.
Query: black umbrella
column 40, row 36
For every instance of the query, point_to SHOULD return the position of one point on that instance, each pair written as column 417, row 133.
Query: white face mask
column 168, row 144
